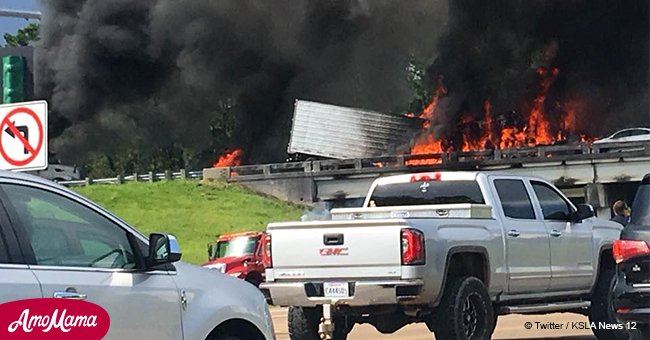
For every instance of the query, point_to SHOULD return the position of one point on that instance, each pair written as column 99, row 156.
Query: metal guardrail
column 147, row 177
column 472, row 160
column 449, row 160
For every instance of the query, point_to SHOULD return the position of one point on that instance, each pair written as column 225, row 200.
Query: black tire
column 639, row 334
column 601, row 307
column 227, row 337
column 303, row 323
column 341, row 328
column 254, row 281
column 465, row 311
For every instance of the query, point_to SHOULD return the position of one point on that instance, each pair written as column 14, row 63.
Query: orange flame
column 568, row 125
column 430, row 109
column 537, row 129
column 487, row 131
column 230, row 158
column 426, row 143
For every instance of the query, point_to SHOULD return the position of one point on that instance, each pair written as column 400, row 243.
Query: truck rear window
column 421, row 193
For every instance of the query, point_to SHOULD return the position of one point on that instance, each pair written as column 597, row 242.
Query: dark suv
column 631, row 292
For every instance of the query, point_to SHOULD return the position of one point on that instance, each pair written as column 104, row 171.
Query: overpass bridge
column 596, row 175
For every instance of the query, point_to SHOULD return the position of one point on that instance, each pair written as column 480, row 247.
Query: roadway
column 509, row 327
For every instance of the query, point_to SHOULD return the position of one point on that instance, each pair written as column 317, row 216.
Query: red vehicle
column 238, row 255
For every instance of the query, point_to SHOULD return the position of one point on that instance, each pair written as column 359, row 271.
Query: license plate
column 336, row 289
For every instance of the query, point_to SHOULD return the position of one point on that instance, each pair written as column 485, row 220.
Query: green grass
column 192, row 211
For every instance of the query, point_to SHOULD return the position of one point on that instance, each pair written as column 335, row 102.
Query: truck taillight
column 626, row 249
column 266, row 252
column 412, row 247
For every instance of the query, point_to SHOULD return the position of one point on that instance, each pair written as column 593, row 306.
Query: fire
column 427, row 144
column 487, row 131
column 230, row 158
column 570, row 120
column 512, row 138
column 468, row 143
column 430, row 109
column 536, row 129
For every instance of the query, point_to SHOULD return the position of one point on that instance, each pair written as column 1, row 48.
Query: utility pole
column 20, row 14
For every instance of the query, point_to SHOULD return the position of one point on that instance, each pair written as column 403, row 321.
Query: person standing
column 621, row 213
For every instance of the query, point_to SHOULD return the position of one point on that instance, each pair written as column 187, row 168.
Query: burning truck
column 329, row 131
column 322, row 130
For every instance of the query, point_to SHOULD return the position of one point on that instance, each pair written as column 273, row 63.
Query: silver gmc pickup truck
column 451, row 249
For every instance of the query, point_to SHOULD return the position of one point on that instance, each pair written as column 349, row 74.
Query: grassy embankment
column 195, row 213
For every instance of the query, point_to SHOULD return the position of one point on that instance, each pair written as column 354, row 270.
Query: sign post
column 23, row 136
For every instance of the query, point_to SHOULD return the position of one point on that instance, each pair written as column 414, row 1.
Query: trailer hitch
column 326, row 327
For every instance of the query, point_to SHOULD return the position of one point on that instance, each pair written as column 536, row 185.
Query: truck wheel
column 465, row 311
column 254, row 281
column 638, row 334
column 303, row 323
column 341, row 328
column 601, row 309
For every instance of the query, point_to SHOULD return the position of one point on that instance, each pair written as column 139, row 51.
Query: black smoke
column 187, row 79
column 492, row 50
column 157, row 77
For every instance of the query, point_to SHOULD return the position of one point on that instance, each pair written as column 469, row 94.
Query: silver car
column 58, row 172
column 625, row 136
column 56, row 243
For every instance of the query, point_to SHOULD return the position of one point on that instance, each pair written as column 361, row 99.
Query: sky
column 11, row 25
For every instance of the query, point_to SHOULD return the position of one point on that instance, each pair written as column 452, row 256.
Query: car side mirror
column 584, row 212
column 210, row 250
column 163, row 249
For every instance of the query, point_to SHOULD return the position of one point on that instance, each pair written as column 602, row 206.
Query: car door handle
column 69, row 295
column 513, row 233
column 555, row 233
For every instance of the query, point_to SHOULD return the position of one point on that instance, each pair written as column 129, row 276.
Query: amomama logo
column 53, row 319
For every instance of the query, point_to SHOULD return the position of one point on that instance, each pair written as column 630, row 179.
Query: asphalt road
column 508, row 327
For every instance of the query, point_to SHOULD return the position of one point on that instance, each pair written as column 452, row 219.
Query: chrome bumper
column 362, row 293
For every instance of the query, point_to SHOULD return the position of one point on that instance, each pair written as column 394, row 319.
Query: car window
column 514, row 199
column 4, row 257
column 554, row 207
column 63, row 232
column 621, row 134
column 641, row 206
column 639, row 132
column 426, row 192
column 238, row 246
column 259, row 245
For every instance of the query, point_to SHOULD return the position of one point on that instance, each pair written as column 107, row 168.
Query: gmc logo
column 334, row 251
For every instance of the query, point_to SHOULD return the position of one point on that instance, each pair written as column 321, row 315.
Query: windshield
column 426, row 192
column 238, row 246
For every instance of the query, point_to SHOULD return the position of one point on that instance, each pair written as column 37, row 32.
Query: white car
column 56, row 243
column 625, row 135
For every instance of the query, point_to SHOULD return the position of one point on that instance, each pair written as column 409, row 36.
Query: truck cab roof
column 228, row 237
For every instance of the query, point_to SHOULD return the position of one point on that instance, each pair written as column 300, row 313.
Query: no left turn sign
column 23, row 136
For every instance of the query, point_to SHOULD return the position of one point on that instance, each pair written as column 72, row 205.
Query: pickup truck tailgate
column 330, row 249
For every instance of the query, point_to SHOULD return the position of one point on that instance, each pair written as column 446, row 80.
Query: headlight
column 221, row 267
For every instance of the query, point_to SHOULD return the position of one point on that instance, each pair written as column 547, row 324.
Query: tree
column 24, row 37
column 416, row 75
